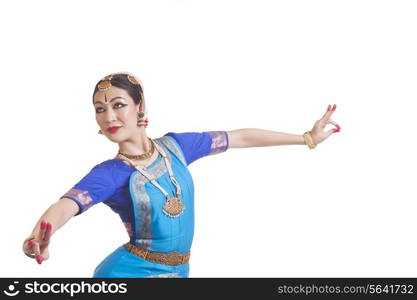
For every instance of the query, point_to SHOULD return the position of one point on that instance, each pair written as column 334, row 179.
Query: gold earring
column 142, row 120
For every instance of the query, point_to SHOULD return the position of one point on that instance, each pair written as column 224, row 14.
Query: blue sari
column 139, row 203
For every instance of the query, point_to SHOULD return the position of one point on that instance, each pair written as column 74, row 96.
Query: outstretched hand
column 317, row 133
column 37, row 247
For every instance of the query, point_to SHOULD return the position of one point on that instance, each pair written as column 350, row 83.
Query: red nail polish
column 334, row 107
column 328, row 108
column 39, row 259
column 49, row 226
column 30, row 243
column 43, row 225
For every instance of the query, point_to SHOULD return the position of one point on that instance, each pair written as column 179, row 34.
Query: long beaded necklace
column 173, row 206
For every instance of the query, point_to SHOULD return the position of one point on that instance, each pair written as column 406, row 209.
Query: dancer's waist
column 172, row 259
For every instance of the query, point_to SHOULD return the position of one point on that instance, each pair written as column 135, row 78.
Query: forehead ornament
column 105, row 83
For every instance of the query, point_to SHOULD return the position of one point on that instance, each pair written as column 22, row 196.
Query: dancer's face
column 114, row 107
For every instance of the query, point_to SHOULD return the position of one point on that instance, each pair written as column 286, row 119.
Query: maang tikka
column 105, row 84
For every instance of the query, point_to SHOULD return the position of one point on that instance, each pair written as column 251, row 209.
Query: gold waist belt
column 171, row 259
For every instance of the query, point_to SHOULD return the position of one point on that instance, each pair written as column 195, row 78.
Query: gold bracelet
column 309, row 140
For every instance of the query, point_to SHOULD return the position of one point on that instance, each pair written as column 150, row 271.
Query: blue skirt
column 123, row 264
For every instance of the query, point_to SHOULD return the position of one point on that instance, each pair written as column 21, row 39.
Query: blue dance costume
column 139, row 203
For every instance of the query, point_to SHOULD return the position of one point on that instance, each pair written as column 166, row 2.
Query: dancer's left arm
column 254, row 137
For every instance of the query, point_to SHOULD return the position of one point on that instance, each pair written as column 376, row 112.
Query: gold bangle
column 308, row 140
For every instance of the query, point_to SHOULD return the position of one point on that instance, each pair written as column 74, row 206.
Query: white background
column 344, row 209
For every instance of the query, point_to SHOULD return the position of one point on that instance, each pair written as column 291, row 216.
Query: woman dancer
column 148, row 182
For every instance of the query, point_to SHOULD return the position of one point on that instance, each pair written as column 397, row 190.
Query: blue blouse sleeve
column 195, row 145
column 95, row 187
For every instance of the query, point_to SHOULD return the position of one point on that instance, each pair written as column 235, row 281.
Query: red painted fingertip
column 39, row 259
column 334, row 107
column 43, row 225
column 49, row 226
column 30, row 242
column 328, row 108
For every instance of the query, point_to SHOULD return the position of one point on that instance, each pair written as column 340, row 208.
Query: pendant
column 173, row 207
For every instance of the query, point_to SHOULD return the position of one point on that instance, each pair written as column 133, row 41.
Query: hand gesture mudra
column 37, row 246
column 317, row 133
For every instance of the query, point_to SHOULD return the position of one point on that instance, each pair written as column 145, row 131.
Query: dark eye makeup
column 122, row 105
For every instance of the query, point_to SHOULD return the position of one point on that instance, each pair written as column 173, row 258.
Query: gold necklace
column 173, row 205
column 142, row 156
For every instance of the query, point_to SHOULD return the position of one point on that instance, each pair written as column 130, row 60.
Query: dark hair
column 121, row 81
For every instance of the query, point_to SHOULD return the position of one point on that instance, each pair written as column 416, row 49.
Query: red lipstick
column 113, row 129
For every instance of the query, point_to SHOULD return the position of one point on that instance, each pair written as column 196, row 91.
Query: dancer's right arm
column 95, row 187
column 50, row 221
